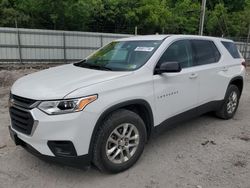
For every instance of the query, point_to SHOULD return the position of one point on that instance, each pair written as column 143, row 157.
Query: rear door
column 209, row 67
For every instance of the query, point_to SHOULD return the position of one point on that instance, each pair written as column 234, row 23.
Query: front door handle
column 193, row 75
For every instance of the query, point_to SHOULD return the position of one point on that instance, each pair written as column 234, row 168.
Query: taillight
column 244, row 64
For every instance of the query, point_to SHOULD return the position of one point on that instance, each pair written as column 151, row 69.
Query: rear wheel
column 119, row 141
column 230, row 103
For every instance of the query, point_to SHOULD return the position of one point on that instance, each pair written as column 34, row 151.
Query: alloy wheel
column 232, row 102
column 122, row 143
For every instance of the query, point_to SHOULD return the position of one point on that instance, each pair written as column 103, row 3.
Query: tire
column 107, row 139
column 228, row 109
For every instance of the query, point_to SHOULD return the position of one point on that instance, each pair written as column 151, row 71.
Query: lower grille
column 21, row 120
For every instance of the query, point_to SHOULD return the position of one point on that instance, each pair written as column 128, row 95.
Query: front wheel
column 230, row 103
column 120, row 141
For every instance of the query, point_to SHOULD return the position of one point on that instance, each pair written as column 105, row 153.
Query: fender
column 141, row 102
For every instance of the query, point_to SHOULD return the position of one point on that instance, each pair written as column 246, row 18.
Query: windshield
column 121, row 56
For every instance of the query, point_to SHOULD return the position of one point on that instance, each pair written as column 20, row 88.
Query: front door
column 176, row 92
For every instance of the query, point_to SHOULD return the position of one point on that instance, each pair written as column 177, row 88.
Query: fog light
column 62, row 148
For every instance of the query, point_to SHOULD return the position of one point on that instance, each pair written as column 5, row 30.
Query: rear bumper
column 74, row 161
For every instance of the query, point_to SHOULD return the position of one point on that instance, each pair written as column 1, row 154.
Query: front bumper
column 75, row 161
column 74, row 129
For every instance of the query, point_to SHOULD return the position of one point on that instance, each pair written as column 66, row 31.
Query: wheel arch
column 238, row 81
column 139, row 106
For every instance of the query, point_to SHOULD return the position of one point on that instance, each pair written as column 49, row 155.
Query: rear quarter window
column 232, row 49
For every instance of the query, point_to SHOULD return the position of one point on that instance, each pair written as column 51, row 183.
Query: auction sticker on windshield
column 144, row 49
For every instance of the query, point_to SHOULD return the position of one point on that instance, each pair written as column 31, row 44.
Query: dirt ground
column 204, row 152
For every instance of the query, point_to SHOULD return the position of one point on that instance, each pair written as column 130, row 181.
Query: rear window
column 232, row 49
column 205, row 52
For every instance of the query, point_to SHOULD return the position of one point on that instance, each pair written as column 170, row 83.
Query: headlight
column 66, row 106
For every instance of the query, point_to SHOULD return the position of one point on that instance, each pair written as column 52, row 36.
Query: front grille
column 23, row 102
column 21, row 120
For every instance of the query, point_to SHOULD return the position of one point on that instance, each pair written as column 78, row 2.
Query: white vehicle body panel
column 55, row 83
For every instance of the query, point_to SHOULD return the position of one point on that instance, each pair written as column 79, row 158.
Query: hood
column 57, row 82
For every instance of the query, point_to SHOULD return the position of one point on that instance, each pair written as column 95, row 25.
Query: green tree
column 217, row 23
column 9, row 14
column 185, row 17
column 227, row 18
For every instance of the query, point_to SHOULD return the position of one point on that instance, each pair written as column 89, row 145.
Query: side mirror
column 171, row 66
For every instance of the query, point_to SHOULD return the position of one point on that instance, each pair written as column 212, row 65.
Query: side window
column 232, row 49
column 205, row 52
column 179, row 51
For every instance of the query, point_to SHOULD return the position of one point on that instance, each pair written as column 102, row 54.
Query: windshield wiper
column 98, row 67
column 91, row 66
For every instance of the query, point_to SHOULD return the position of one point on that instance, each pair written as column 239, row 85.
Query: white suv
column 104, row 108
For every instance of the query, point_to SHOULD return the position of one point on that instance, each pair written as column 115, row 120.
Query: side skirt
column 184, row 116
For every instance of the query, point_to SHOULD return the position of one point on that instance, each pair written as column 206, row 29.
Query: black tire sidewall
column 231, row 88
column 116, row 119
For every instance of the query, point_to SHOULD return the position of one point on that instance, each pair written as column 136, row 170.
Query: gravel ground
column 204, row 152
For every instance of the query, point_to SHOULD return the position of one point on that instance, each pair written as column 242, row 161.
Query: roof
column 162, row 37
column 144, row 37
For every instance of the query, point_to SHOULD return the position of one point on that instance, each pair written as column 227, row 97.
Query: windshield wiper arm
column 99, row 67
column 91, row 66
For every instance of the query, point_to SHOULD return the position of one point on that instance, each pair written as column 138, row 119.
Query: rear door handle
column 193, row 75
column 224, row 69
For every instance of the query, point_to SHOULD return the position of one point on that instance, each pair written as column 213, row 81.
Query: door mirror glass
column 168, row 67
